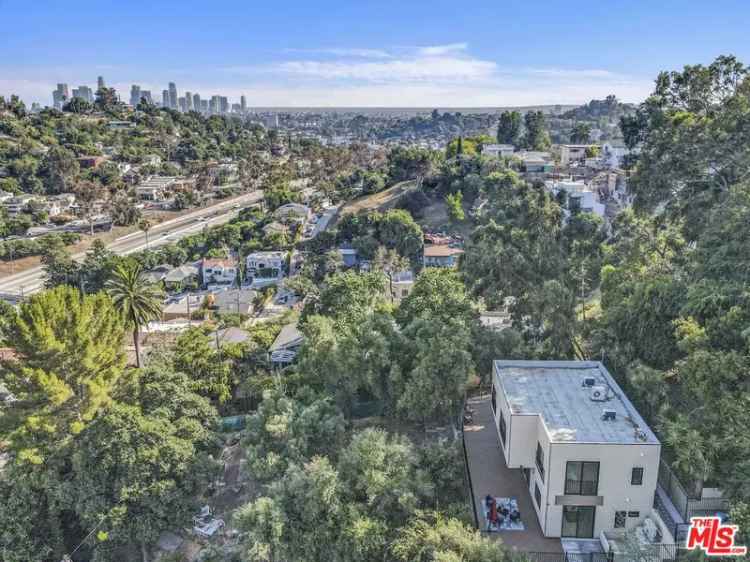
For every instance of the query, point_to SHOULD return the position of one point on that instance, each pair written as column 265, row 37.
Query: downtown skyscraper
column 172, row 95
column 135, row 95
column 60, row 96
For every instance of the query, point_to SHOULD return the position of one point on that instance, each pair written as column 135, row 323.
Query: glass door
column 578, row 522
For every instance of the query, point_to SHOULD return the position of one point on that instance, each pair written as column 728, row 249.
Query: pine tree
column 70, row 356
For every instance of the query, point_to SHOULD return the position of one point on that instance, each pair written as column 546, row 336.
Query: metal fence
column 687, row 501
column 468, row 484
column 652, row 553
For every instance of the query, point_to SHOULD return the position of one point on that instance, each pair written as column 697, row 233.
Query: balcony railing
column 581, row 487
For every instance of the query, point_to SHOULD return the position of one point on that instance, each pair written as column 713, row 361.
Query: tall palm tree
column 145, row 226
column 139, row 301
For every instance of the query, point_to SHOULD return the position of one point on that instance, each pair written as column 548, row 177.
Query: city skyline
column 491, row 55
column 170, row 98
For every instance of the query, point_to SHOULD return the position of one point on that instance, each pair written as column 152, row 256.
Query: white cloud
column 573, row 73
column 345, row 52
column 438, row 50
column 416, row 69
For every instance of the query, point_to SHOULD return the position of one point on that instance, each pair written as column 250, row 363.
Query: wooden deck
column 490, row 475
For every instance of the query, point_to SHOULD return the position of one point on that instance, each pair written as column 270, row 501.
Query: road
column 31, row 280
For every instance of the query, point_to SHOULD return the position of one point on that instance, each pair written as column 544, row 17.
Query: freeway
column 15, row 287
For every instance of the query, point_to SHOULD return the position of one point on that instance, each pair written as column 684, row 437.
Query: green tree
column 509, row 127
column 435, row 538
column 197, row 356
column 300, row 518
column 432, row 385
column 454, row 203
column 138, row 301
column 106, row 99
column 391, row 264
column 78, row 105
column 381, row 472
column 411, row 163
column 536, row 135
column 438, row 293
column 580, row 133
column 138, row 468
column 59, row 267
column 72, row 359
column 286, row 430
column 349, row 297
column 398, row 230
column 59, row 169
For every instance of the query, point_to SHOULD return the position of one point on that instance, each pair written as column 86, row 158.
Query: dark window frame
column 578, row 487
column 493, row 402
column 639, row 480
column 503, row 430
column 537, row 495
column 578, row 510
column 621, row 517
column 540, row 460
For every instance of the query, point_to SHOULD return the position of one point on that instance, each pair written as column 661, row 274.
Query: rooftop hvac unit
column 609, row 415
column 588, row 382
column 599, row 393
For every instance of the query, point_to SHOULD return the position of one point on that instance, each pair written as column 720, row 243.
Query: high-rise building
column 60, row 96
column 188, row 101
column 243, row 104
column 165, row 98
column 204, row 106
column 223, row 105
column 84, row 93
column 197, row 103
column 215, row 105
column 100, row 83
column 146, row 95
column 135, row 95
column 172, row 95
column 181, row 104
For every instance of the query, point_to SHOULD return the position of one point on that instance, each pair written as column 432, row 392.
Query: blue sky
column 358, row 53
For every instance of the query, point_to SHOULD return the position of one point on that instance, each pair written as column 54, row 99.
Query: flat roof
column 554, row 390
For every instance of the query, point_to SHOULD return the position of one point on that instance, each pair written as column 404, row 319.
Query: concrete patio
column 490, row 475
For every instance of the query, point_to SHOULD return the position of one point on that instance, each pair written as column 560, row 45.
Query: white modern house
column 590, row 461
column 580, row 197
column 498, row 150
column 265, row 268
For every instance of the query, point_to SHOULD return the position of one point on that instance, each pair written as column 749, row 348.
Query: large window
column 578, row 522
column 540, row 460
column 494, row 399
column 538, row 495
column 636, row 477
column 582, row 478
column 503, row 430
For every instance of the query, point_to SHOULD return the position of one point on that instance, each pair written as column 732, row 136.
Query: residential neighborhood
column 396, row 298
